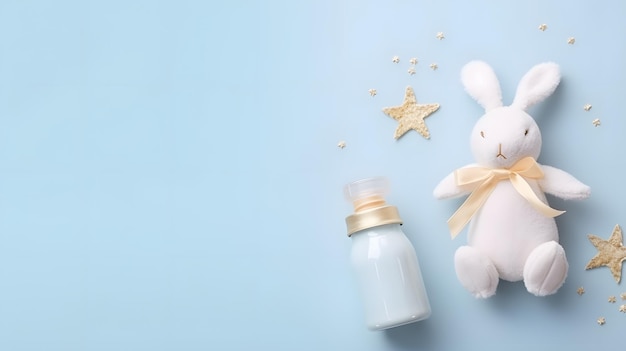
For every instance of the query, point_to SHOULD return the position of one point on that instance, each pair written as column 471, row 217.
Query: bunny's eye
column 482, row 134
column 526, row 132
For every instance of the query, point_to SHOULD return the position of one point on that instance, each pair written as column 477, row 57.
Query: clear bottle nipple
column 367, row 193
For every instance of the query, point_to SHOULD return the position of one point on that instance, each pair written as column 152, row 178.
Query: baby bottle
column 384, row 261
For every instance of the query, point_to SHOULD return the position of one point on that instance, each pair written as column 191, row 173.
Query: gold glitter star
column 611, row 253
column 623, row 296
column 341, row 144
column 571, row 40
column 410, row 115
column 587, row 107
column 413, row 61
column 596, row 122
column 543, row 27
column 395, row 59
column 601, row 320
column 612, row 299
column 580, row 291
column 440, row 36
column 372, row 92
column 411, row 70
column 622, row 308
column 433, row 66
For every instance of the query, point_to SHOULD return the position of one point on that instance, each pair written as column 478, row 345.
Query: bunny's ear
column 481, row 83
column 536, row 85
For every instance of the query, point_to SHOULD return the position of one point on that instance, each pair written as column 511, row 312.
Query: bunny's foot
column 476, row 272
column 545, row 269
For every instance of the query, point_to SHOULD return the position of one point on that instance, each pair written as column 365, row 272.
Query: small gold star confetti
column 623, row 296
column 413, row 61
column 587, row 107
column 372, row 92
column 433, row 66
column 612, row 299
column 395, row 59
column 543, row 27
column 440, row 36
column 611, row 253
column 341, row 144
column 622, row 308
column 596, row 122
column 580, row 291
column 410, row 115
column 411, row 70
column 571, row 40
column 601, row 320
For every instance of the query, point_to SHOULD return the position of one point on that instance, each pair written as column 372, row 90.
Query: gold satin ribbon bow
column 484, row 180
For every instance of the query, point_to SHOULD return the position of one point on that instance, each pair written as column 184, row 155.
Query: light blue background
column 170, row 180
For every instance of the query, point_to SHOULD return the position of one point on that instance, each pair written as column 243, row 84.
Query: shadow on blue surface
column 413, row 336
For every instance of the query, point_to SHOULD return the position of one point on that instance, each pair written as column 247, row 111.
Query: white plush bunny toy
column 512, row 233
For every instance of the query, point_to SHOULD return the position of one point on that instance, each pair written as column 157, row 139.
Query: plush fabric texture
column 481, row 83
column 508, row 238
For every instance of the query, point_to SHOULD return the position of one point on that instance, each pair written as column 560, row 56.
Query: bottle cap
column 370, row 208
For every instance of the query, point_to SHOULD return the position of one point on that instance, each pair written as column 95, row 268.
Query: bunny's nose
column 500, row 152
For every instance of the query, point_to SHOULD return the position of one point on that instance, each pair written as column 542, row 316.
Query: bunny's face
column 503, row 136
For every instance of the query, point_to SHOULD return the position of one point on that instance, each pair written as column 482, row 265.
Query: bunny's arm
column 562, row 184
column 447, row 188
